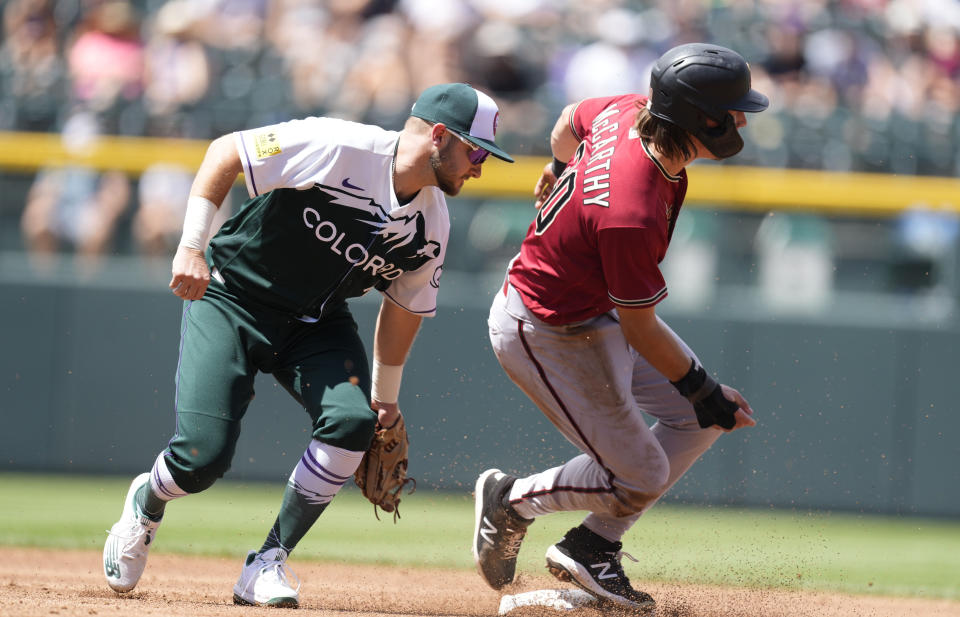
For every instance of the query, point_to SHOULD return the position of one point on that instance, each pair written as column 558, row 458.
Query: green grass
column 753, row 548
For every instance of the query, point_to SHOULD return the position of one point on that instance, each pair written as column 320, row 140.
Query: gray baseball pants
column 595, row 389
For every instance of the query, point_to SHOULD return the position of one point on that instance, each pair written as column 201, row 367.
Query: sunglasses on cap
column 477, row 154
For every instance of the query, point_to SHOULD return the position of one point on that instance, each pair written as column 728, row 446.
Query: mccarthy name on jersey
column 305, row 250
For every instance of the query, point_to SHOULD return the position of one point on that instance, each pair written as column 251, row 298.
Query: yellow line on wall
column 833, row 192
column 721, row 186
column 760, row 188
column 30, row 151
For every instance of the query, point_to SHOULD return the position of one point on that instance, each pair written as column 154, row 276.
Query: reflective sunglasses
column 477, row 154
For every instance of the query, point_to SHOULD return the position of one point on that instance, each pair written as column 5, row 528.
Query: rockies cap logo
column 469, row 113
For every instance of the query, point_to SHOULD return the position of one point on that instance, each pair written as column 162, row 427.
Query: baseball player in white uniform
column 336, row 209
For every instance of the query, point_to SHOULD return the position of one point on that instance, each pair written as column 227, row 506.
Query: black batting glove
column 706, row 395
column 715, row 408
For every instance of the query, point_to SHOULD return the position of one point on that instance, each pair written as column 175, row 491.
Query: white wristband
column 196, row 223
column 385, row 380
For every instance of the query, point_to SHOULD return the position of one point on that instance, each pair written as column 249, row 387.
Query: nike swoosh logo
column 346, row 183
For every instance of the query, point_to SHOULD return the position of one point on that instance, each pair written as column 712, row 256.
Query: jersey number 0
column 559, row 197
column 561, row 194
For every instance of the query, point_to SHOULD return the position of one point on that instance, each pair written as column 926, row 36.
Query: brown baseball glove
column 382, row 473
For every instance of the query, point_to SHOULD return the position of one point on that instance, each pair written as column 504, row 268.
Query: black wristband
column 558, row 167
column 696, row 384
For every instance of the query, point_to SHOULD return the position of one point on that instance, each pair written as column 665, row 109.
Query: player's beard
column 446, row 181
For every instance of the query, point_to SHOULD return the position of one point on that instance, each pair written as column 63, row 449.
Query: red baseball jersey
column 598, row 240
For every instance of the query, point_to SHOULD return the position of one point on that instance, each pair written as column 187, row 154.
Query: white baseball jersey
column 323, row 223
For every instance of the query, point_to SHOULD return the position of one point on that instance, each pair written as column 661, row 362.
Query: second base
column 558, row 599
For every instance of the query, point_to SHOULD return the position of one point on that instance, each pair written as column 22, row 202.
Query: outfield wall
column 855, row 404
column 854, row 416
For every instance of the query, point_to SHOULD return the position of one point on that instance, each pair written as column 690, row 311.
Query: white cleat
column 264, row 581
column 128, row 543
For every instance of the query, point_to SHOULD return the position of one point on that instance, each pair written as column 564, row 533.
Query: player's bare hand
column 190, row 274
column 743, row 415
column 544, row 185
column 387, row 413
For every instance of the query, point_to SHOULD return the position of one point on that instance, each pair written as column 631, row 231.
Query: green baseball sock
column 149, row 504
column 295, row 518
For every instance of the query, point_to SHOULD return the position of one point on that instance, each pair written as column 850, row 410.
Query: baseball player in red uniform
column 575, row 325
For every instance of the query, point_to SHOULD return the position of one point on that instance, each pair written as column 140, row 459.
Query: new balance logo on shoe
column 605, row 573
column 111, row 569
column 110, row 566
column 487, row 530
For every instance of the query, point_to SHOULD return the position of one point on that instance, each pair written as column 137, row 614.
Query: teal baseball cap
column 464, row 110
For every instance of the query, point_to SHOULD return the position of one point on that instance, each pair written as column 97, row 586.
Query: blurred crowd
column 863, row 85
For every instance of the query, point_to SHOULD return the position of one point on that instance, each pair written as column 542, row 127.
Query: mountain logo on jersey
column 396, row 232
column 369, row 237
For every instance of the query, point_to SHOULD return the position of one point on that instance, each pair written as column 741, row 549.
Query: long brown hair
column 671, row 140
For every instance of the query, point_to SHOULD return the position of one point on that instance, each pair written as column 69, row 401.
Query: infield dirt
column 35, row 583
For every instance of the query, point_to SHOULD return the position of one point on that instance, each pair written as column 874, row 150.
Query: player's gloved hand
column 717, row 409
column 382, row 473
column 709, row 402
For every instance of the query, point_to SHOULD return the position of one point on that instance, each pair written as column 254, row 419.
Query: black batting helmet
column 696, row 81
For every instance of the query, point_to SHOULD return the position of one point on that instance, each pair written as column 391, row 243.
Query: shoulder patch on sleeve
column 266, row 143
